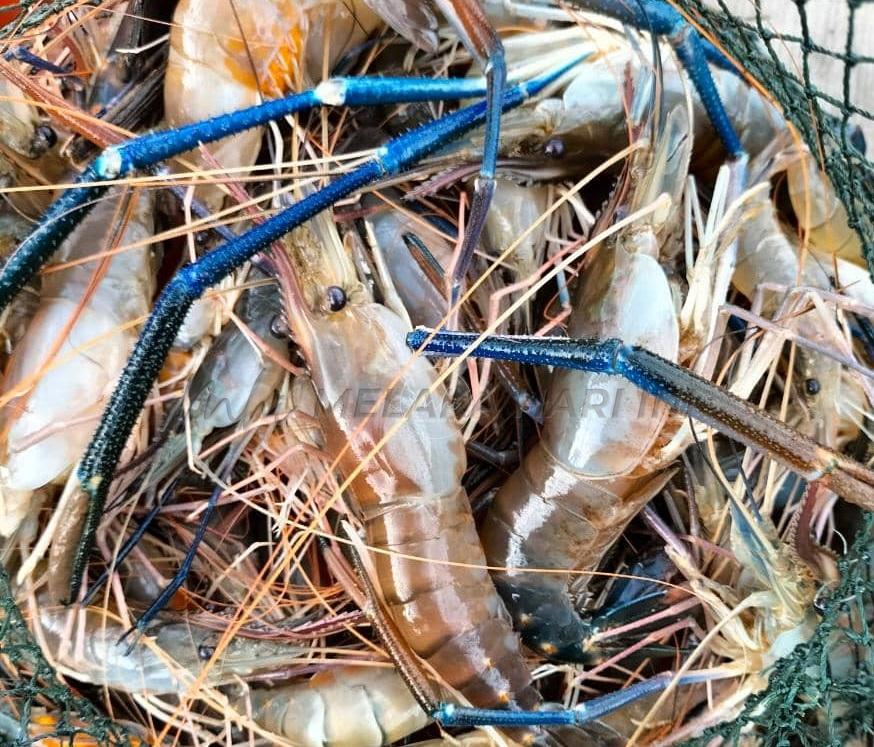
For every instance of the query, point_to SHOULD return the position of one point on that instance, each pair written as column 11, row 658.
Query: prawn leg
column 679, row 388
column 449, row 714
column 694, row 53
column 117, row 162
column 483, row 42
column 129, row 544
column 98, row 464
column 178, row 579
column 167, row 593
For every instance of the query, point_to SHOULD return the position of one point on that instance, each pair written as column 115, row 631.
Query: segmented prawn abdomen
column 364, row 706
column 552, row 527
column 93, row 339
column 599, row 426
column 577, row 489
column 430, row 566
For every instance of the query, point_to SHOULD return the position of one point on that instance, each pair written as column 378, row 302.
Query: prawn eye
column 336, row 298
column 279, row 327
column 45, row 138
column 554, row 148
column 812, row 386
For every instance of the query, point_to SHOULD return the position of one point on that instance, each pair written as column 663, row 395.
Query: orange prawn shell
column 257, row 46
column 227, row 56
column 44, row 724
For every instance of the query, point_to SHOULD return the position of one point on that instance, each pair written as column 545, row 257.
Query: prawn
column 407, row 492
column 22, row 130
column 363, row 706
column 410, row 255
column 348, row 706
column 590, row 474
column 66, row 364
column 768, row 254
column 84, row 644
column 28, row 153
column 587, row 115
column 233, row 382
column 821, row 216
column 235, row 378
column 391, row 230
column 246, row 51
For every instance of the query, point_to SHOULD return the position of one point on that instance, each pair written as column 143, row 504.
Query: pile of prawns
column 271, row 511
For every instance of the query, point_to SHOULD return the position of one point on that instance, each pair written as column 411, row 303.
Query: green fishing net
column 823, row 693
column 819, row 74
column 28, row 684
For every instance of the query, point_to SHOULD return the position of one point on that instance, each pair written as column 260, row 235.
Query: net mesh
column 29, row 684
column 819, row 82
column 822, row 693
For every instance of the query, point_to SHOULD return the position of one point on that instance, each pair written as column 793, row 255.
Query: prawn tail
column 551, row 625
column 547, row 620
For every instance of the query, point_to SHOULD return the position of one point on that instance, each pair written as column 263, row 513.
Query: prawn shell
column 513, row 210
column 424, row 303
column 599, row 426
column 820, row 213
column 85, row 643
column 577, row 489
column 223, row 58
column 227, row 56
column 409, row 495
column 80, row 376
column 361, row 706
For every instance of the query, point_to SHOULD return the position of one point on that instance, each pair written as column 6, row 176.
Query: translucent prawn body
column 590, row 113
column 73, row 351
column 821, row 215
column 580, row 485
column 768, row 254
column 395, row 436
column 423, row 301
column 226, row 56
column 85, row 644
column 771, row 266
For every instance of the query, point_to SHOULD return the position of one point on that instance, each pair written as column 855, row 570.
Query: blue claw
column 694, row 52
column 679, row 388
column 484, row 188
column 715, row 56
column 143, row 152
column 23, row 54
